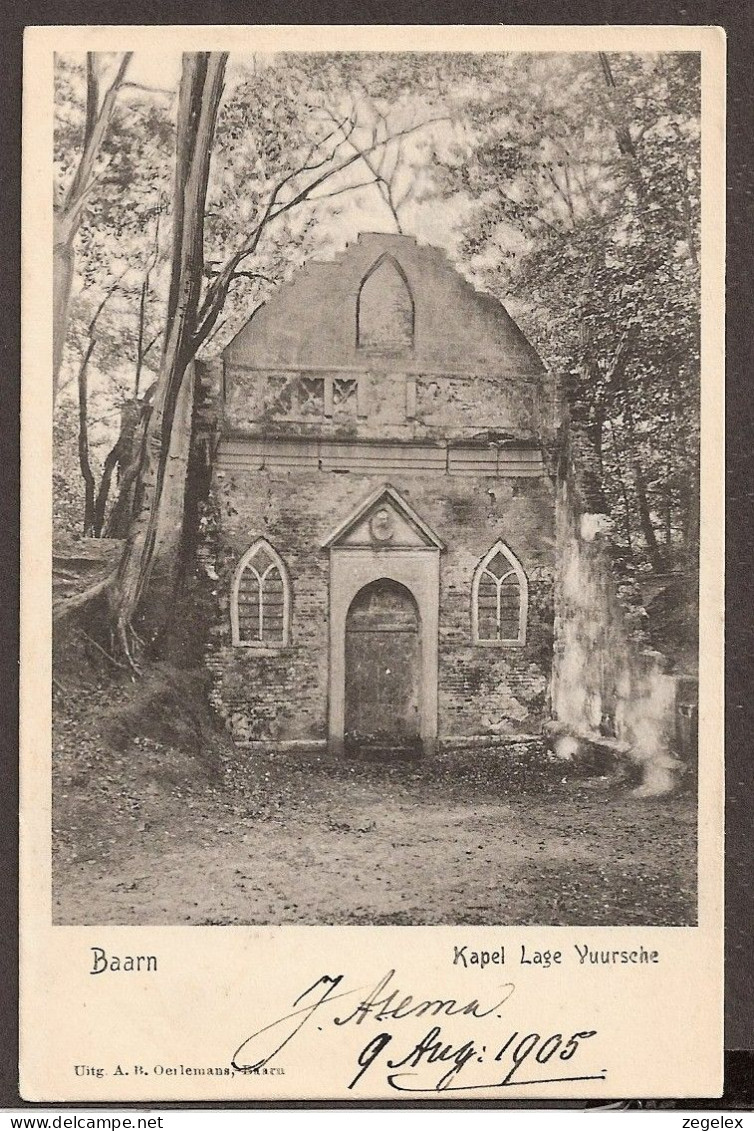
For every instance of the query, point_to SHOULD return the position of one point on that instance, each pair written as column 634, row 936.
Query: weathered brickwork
column 314, row 413
column 381, row 405
column 379, row 434
column 482, row 689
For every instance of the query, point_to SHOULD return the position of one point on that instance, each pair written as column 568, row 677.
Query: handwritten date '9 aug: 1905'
column 434, row 1062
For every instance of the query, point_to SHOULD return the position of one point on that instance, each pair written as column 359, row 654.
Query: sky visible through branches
column 566, row 185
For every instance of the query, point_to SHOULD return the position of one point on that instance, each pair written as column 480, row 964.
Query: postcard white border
column 663, row 1031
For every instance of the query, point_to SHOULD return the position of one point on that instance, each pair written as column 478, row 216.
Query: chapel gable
column 388, row 340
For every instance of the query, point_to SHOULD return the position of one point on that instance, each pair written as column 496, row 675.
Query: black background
column 738, row 20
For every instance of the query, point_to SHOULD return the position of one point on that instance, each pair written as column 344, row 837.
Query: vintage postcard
column 372, row 538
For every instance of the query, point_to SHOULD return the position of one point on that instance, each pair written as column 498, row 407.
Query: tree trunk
column 645, row 518
column 690, row 504
column 199, row 100
column 623, row 490
column 123, row 456
column 645, row 515
column 68, row 211
column 84, row 461
column 62, row 282
column 140, row 337
column 83, row 390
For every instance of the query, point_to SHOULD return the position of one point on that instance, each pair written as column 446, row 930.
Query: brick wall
column 282, row 695
column 466, row 378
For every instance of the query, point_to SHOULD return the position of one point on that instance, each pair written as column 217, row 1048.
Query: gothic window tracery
column 261, row 598
column 499, row 598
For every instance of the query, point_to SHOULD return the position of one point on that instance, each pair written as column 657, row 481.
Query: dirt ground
column 148, row 833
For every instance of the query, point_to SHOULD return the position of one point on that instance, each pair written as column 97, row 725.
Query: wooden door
column 383, row 668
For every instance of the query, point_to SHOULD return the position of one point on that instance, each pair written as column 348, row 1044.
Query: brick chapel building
column 401, row 537
column 385, row 547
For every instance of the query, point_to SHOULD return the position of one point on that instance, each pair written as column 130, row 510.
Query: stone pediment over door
column 384, row 541
column 384, row 520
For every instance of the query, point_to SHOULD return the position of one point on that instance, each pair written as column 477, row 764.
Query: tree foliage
column 77, row 175
column 573, row 181
column 584, row 171
column 291, row 137
column 118, row 256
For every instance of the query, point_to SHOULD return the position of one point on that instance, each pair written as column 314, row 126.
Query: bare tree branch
column 85, row 464
column 69, row 206
column 214, row 332
column 254, row 275
column 340, row 191
column 149, row 267
column 564, row 194
column 217, row 291
column 377, row 168
column 98, row 120
column 148, row 89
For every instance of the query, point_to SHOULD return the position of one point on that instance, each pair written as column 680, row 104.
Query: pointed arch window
column 260, row 606
column 499, row 598
column 385, row 308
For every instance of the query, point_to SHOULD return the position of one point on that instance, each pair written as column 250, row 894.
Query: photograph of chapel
column 375, row 495
column 385, row 432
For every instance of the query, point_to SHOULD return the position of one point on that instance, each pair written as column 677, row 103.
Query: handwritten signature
column 416, row 1068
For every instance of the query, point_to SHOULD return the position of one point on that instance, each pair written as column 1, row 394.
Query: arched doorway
column 383, row 671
